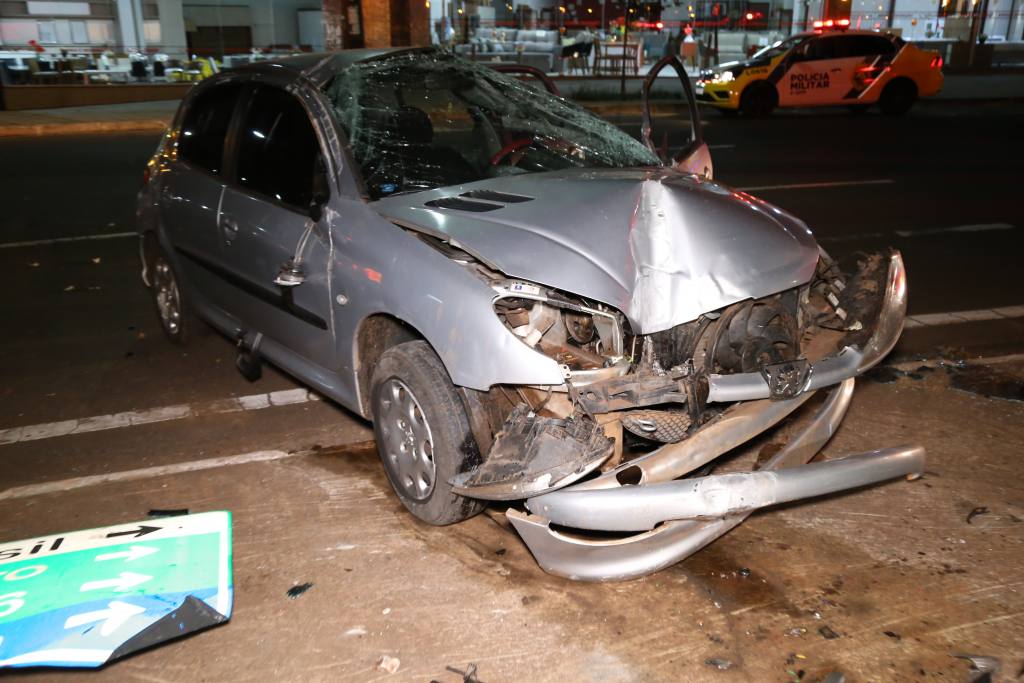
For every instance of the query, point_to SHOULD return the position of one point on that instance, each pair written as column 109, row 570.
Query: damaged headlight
column 575, row 333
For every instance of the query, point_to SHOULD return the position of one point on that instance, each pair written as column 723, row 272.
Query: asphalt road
column 83, row 364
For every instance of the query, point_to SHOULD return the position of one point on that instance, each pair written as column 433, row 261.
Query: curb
column 73, row 128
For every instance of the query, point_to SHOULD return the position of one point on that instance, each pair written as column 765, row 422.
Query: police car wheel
column 759, row 99
column 898, row 97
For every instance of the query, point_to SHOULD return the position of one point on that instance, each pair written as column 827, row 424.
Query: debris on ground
column 987, row 381
column 892, row 634
column 975, row 512
column 796, row 631
column 157, row 512
column 299, row 589
column 389, row 664
column 983, row 667
column 96, row 595
column 827, row 633
column 884, row 374
column 835, row 677
column 468, row 676
column 720, row 664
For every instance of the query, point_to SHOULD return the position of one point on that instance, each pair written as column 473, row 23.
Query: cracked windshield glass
column 416, row 123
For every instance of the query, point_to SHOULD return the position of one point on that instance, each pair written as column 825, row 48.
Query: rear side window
column 278, row 152
column 205, row 127
column 864, row 46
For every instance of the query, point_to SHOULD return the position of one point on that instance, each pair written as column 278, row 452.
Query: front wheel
column 759, row 99
column 423, row 433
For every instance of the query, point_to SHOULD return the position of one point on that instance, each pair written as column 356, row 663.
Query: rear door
column 270, row 219
column 673, row 132
column 872, row 54
column 820, row 72
column 191, row 188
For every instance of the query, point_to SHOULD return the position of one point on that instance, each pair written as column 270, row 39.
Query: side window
column 822, row 48
column 864, row 46
column 206, row 127
column 278, row 152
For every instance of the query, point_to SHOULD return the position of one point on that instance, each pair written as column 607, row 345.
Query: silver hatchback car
column 529, row 304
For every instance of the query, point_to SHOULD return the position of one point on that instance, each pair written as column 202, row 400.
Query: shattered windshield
column 426, row 119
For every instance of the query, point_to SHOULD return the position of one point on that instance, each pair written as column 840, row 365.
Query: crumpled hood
column 660, row 246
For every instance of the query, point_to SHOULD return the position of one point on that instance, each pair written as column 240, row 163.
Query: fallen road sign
column 84, row 598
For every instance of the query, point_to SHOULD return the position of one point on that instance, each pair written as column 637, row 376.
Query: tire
column 898, row 97
column 759, row 99
column 423, row 433
column 173, row 309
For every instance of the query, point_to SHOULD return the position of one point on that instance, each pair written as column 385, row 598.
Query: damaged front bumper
column 670, row 518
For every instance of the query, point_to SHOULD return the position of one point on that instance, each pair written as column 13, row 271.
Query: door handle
column 230, row 228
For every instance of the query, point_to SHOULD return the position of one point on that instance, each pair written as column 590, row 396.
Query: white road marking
column 144, row 473
column 162, row 414
column 65, row 240
column 959, row 317
column 811, row 186
column 980, row 227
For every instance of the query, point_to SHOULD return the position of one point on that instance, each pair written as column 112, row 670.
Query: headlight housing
column 577, row 334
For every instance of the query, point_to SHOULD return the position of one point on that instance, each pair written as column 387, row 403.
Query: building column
column 129, row 25
column 172, row 29
column 396, row 23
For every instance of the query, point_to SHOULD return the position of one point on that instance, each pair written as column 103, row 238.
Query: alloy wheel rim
column 168, row 299
column 408, row 445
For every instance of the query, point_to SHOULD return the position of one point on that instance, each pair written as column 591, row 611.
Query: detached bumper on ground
column 675, row 518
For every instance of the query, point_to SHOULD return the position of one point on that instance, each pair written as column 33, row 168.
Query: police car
column 829, row 66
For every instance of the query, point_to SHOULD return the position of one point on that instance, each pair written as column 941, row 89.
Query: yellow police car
column 825, row 67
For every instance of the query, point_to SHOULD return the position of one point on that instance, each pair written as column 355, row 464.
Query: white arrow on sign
column 135, row 552
column 125, row 581
column 113, row 617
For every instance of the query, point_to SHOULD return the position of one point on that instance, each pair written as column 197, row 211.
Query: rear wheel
column 898, row 97
column 423, row 433
column 172, row 307
column 759, row 99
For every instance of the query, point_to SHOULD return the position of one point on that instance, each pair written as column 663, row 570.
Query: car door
column 191, row 188
column 276, row 245
column 677, row 138
column 820, row 72
column 872, row 55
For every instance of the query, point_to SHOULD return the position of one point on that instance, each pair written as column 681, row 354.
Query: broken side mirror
column 675, row 136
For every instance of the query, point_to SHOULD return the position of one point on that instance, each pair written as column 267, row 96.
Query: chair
column 579, row 58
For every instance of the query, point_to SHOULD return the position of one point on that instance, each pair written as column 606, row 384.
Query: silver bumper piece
column 847, row 363
column 632, row 508
column 587, row 559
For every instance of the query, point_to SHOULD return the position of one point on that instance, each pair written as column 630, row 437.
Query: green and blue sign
column 85, row 598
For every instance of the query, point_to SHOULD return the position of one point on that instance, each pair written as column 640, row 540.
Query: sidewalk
column 107, row 118
column 155, row 116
